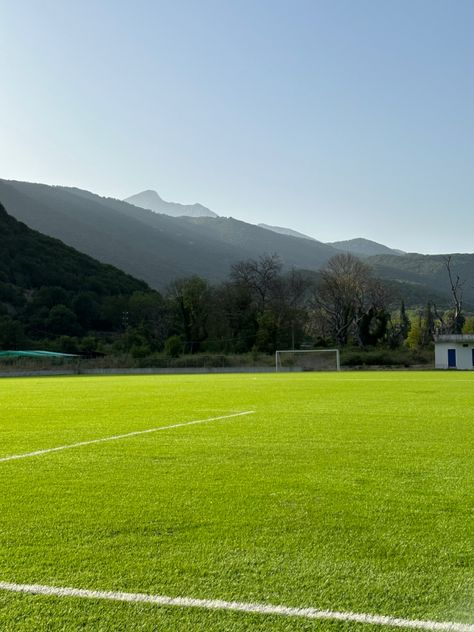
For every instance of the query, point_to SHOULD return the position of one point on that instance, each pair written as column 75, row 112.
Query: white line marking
column 12, row 457
column 255, row 608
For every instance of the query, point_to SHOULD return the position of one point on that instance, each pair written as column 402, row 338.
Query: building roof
column 455, row 338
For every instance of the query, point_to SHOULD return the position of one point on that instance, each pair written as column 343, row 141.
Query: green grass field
column 347, row 492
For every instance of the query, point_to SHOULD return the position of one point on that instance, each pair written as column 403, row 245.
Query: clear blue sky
column 339, row 118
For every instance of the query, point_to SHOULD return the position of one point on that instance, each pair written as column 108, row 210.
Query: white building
column 454, row 351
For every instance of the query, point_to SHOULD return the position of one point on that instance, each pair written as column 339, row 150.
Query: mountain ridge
column 364, row 247
column 159, row 248
column 151, row 201
column 282, row 230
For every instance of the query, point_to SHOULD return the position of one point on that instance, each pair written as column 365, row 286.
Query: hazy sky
column 337, row 118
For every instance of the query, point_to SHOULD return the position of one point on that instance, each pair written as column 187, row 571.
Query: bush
column 386, row 357
column 174, row 347
column 140, row 350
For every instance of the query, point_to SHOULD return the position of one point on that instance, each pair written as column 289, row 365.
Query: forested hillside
column 48, row 289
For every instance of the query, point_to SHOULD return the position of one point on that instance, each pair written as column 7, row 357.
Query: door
column 451, row 358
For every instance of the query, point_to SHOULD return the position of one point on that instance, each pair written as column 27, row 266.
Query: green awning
column 35, row 354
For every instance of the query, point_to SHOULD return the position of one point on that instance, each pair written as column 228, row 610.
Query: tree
column 398, row 328
column 87, row 309
column 62, row 320
column 113, row 311
column 148, row 310
column 49, row 297
column 267, row 334
column 258, row 276
column 295, row 293
column 260, row 283
column 348, row 297
column 427, row 326
column 173, row 346
column 414, row 338
column 275, row 303
column 422, row 329
column 468, row 327
column 190, row 299
column 372, row 326
column 12, row 334
column 405, row 324
column 233, row 319
column 452, row 321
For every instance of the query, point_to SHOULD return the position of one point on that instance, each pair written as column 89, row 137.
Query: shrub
column 174, row 346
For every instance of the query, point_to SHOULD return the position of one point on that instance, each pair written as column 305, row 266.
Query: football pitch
column 203, row 502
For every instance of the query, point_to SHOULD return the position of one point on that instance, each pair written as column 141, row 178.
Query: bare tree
column 289, row 302
column 259, row 276
column 452, row 321
column 347, row 294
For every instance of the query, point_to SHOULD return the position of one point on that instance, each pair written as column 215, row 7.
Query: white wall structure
column 454, row 351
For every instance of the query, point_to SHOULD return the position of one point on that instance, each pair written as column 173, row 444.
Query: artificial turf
column 348, row 492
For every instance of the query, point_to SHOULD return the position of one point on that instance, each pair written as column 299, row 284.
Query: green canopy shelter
column 36, row 354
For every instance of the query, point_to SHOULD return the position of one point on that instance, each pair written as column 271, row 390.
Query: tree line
column 260, row 308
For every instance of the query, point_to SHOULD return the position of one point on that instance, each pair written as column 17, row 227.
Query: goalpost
column 307, row 360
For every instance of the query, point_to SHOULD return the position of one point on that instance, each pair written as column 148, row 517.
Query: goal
column 307, row 360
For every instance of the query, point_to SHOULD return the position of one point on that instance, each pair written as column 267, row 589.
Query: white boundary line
column 26, row 455
column 253, row 608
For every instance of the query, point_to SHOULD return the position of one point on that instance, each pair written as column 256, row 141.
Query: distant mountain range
column 159, row 248
column 358, row 246
column 151, row 201
column 154, row 247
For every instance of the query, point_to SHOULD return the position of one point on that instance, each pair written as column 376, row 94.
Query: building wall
column 463, row 354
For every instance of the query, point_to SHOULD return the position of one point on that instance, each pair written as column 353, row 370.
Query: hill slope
column 151, row 201
column 31, row 260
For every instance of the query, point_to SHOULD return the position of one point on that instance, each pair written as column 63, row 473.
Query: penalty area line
column 238, row 606
column 135, row 433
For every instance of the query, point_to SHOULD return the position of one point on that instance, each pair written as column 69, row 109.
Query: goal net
column 307, row 360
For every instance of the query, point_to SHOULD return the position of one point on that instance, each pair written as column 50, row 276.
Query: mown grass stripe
column 135, row 433
column 238, row 606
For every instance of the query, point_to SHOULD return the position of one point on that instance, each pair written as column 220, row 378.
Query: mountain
column 159, row 249
column 48, row 289
column 151, row 201
column 285, row 231
column 364, row 247
column 151, row 246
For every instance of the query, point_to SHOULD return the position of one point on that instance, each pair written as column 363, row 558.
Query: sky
column 337, row 118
